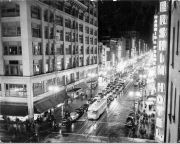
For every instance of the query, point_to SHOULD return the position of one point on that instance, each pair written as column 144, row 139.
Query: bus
column 96, row 109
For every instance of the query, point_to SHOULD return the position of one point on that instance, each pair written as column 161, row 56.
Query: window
column 81, row 38
column 51, row 17
column 67, row 9
column 87, row 50
column 81, row 50
column 35, row 12
column 46, row 16
column 13, row 68
column 37, row 48
column 95, row 32
column 38, row 88
column 12, row 48
column 91, row 20
column 87, row 19
column 87, row 30
column 37, row 67
column 9, row 10
column 91, row 40
column 59, row 20
column 173, row 44
column 46, row 32
column 161, row 70
column 161, row 59
column 177, row 52
column 36, row 30
column 61, row 35
column 68, row 49
column 59, row 63
column 59, row 5
column 59, row 49
column 47, row 49
column 51, row 33
column 68, row 36
column 15, row 90
column 68, row 23
column 81, row 15
column 95, row 41
column 11, row 29
column 87, row 40
column 161, row 87
column 91, row 31
column 81, row 27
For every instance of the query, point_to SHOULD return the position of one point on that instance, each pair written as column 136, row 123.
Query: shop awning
column 82, row 85
column 48, row 103
column 13, row 109
column 73, row 90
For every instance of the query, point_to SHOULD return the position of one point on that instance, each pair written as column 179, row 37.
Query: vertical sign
column 155, row 39
column 161, row 69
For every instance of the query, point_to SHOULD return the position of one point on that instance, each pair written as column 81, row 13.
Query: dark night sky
column 126, row 15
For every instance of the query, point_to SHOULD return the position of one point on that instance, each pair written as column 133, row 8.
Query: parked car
column 74, row 116
column 66, row 122
column 79, row 111
column 111, row 98
column 85, row 107
column 67, row 114
column 90, row 101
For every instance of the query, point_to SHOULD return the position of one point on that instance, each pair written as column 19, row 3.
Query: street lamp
column 91, row 75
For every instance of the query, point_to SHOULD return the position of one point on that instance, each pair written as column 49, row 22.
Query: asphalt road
column 108, row 128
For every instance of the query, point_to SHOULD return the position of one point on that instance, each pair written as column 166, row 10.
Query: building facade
column 45, row 43
column 173, row 108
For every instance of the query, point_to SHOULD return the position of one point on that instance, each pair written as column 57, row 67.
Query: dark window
column 46, row 32
column 36, row 30
column 35, row 12
column 80, row 27
column 51, row 17
column 46, row 15
column 81, row 38
column 37, row 67
column 68, row 23
column 13, row 68
column 177, row 52
column 173, row 45
column 11, row 29
column 10, row 10
column 59, row 20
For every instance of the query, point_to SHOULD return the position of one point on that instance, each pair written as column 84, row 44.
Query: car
column 79, row 111
column 85, row 107
column 66, row 122
column 74, row 116
column 66, row 114
column 90, row 101
column 111, row 98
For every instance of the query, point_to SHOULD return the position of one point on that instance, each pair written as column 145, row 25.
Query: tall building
column 45, row 43
column 173, row 105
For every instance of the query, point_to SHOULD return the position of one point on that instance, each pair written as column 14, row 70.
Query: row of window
column 14, row 48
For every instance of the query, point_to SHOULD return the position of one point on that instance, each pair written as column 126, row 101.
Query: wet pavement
column 110, row 127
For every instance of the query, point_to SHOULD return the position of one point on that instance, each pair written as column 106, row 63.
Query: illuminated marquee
column 162, row 42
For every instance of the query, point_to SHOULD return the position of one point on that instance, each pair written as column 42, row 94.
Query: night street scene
column 89, row 71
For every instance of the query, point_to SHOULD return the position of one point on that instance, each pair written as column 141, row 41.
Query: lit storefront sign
column 161, row 53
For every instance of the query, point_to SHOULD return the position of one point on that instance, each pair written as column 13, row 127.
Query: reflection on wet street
column 108, row 128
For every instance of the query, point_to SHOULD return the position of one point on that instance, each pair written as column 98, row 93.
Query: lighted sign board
column 161, row 53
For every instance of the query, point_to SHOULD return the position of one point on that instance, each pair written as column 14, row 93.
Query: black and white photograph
column 89, row 71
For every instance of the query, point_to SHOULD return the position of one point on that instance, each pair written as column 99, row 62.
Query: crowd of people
column 29, row 128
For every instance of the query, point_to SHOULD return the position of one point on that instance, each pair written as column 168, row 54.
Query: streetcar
column 96, row 109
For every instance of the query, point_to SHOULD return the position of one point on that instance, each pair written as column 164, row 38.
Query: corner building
column 45, row 43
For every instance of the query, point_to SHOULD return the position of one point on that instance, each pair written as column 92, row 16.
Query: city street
column 108, row 128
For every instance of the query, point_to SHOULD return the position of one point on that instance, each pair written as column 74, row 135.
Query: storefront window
column 38, row 88
column 15, row 90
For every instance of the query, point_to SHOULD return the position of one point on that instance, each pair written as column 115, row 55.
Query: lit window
column 163, row 19
column 161, row 58
column 161, row 87
column 163, row 32
column 163, row 6
column 161, row 70
column 162, row 45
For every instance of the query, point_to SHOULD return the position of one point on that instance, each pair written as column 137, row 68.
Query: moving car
column 74, row 116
